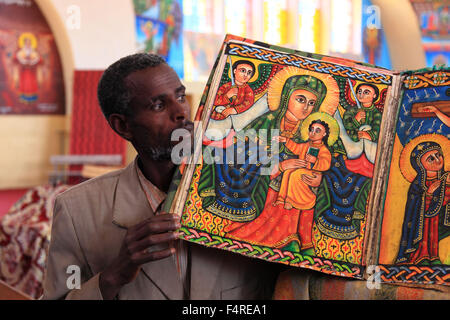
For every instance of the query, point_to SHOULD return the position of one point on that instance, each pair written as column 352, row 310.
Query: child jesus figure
column 313, row 155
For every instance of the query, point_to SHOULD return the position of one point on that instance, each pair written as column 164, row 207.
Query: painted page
column 286, row 161
column 414, row 244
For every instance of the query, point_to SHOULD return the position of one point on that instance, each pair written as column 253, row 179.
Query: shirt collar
column 154, row 196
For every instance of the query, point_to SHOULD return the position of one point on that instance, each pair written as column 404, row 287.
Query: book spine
column 381, row 172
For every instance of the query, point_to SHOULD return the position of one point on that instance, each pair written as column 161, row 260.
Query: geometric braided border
column 272, row 254
column 287, row 59
column 430, row 79
column 416, row 274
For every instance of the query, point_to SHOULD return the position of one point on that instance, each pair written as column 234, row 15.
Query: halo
column 325, row 117
column 29, row 35
column 329, row 104
column 256, row 63
column 404, row 162
column 357, row 83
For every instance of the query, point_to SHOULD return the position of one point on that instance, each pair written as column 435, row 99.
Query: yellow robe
column 293, row 190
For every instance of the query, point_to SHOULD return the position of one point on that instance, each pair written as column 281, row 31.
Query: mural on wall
column 201, row 54
column 31, row 79
column 159, row 30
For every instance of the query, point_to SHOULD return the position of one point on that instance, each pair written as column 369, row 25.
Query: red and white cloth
column 24, row 238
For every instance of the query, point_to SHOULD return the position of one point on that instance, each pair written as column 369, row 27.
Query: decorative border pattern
column 415, row 274
column 425, row 80
column 305, row 63
column 273, row 255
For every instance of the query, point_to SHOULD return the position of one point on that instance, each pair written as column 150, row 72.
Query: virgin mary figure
column 427, row 210
column 240, row 192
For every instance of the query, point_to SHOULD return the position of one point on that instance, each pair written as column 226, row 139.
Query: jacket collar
column 130, row 207
column 130, row 203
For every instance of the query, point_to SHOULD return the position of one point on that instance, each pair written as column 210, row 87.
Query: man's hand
column 360, row 116
column 137, row 250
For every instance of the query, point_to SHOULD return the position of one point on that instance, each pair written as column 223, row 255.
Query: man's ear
column 121, row 125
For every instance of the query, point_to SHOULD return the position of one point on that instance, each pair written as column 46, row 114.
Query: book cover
column 307, row 160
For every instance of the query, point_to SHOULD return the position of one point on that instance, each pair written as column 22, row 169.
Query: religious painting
column 159, row 28
column 415, row 238
column 287, row 157
column 321, row 163
column 31, row 80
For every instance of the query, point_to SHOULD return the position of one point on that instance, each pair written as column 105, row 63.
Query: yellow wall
column 27, row 143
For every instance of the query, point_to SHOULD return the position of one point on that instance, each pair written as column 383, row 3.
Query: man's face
column 243, row 73
column 432, row 160
column 366, row 94
column 301, row 103
column 157, row 108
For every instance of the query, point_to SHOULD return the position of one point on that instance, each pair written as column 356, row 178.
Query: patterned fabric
column 341, row 202
column 24, row 238
column 335, row 249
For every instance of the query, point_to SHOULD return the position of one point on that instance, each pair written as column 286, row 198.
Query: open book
column 321, row 163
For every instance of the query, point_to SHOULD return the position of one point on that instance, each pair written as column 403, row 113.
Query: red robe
column 429, row 246
column 243, row 101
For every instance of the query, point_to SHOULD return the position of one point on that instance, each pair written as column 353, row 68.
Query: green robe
column 373, row 119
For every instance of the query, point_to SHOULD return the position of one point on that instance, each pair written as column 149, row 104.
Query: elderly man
column 112, row 226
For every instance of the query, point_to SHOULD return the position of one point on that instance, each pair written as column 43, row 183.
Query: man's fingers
column 154, row 227
column 160, row 216
column 152, row 240
column 144, row 256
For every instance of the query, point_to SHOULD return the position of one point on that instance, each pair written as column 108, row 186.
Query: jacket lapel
column 131, row 207
column 130, row 203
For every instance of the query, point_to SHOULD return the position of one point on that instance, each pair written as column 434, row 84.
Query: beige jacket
column 89, row 223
